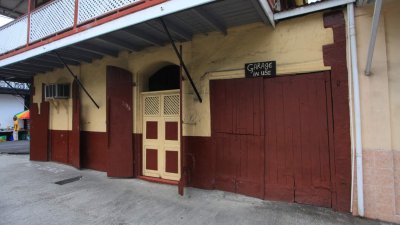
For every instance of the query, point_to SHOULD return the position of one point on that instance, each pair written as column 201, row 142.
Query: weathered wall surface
column 380, row 112
column 299, row 52
column 60, row 110
column 93, row 77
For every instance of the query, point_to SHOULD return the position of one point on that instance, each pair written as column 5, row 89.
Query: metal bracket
column 181, row 60
column 77, row 80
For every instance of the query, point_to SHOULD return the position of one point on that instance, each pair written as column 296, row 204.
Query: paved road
column 28, row 195
column 14, row 147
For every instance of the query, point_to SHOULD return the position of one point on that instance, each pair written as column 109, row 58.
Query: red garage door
column 271, row 137
column 238, row 135
column 297, row 152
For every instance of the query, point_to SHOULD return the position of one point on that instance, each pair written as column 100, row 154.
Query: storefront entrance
column 161, row 134
column 272, row 138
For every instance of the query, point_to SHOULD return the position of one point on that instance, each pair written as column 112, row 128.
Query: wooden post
column 30, row 8
column 76, row 14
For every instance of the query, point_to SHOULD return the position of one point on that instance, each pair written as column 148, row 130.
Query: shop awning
column 23, row 115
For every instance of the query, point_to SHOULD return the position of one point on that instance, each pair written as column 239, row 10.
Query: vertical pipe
column 374, row 31
column 357, row 108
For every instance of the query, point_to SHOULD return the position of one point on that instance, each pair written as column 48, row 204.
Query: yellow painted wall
column 295, row 44
column 60, row 110
column 380, row 112
column 93, row 77
column 299, row 52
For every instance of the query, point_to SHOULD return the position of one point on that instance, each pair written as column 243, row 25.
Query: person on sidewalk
column 16, row 128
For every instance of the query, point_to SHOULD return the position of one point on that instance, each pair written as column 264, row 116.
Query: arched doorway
column 161, row 125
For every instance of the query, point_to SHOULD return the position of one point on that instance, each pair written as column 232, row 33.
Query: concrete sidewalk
column 28, row 195
column 14, row 147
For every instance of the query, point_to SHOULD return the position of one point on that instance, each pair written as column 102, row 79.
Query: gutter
column 357, row 108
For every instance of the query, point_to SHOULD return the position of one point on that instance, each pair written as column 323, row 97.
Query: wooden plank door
column 312, row 157
column 281, row 136
column 119, row 122
column 297, row 165
column 223, row 139
column 248, row 119
column 238, row 135
column 161, row 135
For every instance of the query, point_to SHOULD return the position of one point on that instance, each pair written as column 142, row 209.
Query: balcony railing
column 57, row 17
column 14, row 85
column 14, row 35
column 284, row 5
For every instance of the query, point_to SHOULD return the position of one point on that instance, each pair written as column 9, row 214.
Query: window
column 57, row 91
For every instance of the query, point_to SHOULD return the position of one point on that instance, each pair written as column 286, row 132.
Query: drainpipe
column 357, row 110
column 374, row 31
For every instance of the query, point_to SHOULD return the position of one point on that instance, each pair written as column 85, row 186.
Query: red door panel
column 312, row 164
column 279, row 179
column 237, row 128
column 225, row 148
column 119, row 123
column 222, row 106
column 59, row 146
column 297, row 154
column 39, row 131
column 247, row 97
column 250, row 173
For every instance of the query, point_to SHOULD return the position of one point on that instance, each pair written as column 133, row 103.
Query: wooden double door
column 271, row 137
column 161, row 134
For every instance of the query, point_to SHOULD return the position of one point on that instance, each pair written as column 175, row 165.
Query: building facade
column 193, row 115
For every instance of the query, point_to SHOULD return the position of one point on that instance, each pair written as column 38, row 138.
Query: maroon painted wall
column 74, row 154
column 39, row 131
column 94, row 150
column 335, row 56
column 59, row 146
column 201, row 161
column 137, row 154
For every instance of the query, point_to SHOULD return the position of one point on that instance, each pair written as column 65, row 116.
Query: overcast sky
column 4, row 20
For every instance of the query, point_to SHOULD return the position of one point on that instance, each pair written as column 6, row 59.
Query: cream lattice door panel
column 161, row 134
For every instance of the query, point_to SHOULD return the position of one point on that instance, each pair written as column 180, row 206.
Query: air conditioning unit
column 57, row 91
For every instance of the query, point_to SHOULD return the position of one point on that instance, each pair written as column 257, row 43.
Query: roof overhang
column 311, row 8
column 137, row 31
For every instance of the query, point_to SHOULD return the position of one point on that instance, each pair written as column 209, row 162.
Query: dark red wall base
column 94, row 150
column 137, row 154
column 200, row 162
column 335, row 56
column 93, row 147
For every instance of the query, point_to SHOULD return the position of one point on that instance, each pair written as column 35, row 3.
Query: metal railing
column 15, row 85
column 54, row 18
column 51, row 19
column 14, row 35
column 284, row 5
column 91, row 9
